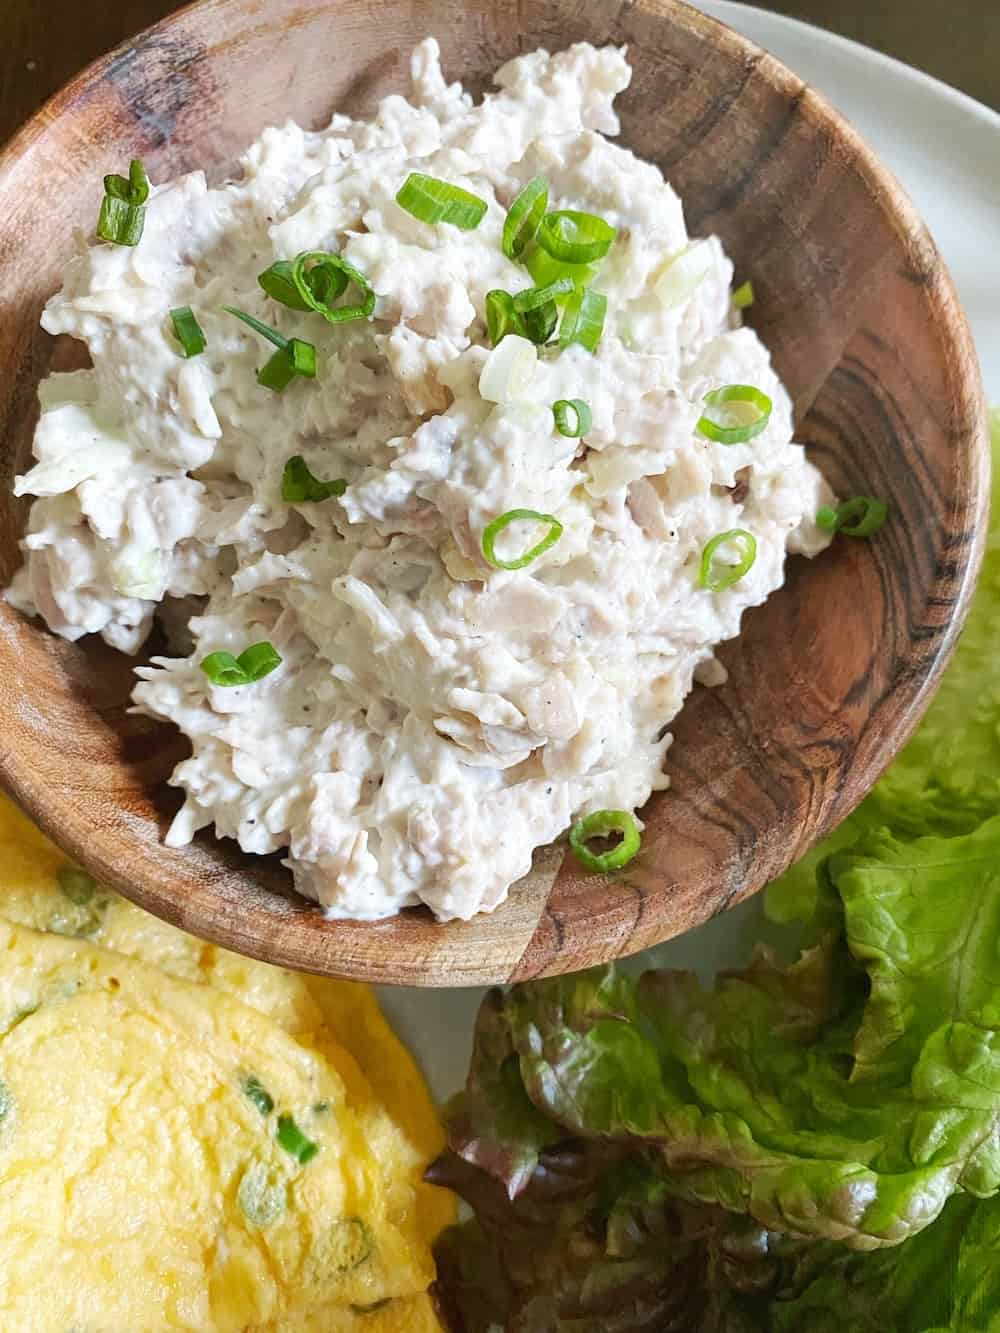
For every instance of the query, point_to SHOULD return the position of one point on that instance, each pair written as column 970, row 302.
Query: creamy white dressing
column 433, row 720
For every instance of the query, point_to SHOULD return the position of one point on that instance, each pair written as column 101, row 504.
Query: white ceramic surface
column 945, row 148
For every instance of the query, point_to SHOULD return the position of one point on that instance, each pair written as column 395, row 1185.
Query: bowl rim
column 284, row 949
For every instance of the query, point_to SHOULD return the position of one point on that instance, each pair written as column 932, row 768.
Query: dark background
column 44, row 42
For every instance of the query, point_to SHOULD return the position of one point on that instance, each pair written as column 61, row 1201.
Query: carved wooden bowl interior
column 826, row 681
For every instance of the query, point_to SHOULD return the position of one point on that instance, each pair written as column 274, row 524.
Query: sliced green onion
column 540, row 324
column 318, row 289
column 133, row 189
column 299, row 486
column 258, row 1094
column 123, row 212
column 493, row 530
column 6, row 1100
column 717, row 576
column 293, row 357
column 77, row 885
column 120, row 223
column 351, row 1243
column 573, row 417
column 741, row 394
column 261, row 1201
column 534, row 297
column 277, row 282
column 524, row 217
column 188, row 331
column 297, row 359
column 253, row 664
column 501, row 317
column 433, row 200
column 861, row 516
column 576, row 238
column 544, row 269
column 743, row 297
column 138, row 182
column 583, row 319
column 294, row 1142
column 599, row 825
column 536, row 310
column 265, row 330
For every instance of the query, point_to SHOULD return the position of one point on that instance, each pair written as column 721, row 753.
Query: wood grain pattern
column 827, row 680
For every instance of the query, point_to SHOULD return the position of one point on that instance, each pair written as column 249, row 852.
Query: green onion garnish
column 493, row 530
column 277, row 282
column 253, row 664
column 265, row 330
column 318, row 287
column 291, row 1138
column 718, row 576
column 544, row 269
column 293, row 357
column 6, row 1101
column 743, row 297
column 258, row 1094
column 433, row 200
column 537, row 310
column 77, row 885
column 123, row 211
column 861, row 516
column 188, row 331
column 573, row 417
column 533, row 298
column 575, row 238
column 744, row 394
column 540, row 323
column 524, row 217
column 583, row 319
column 501, row 317
column 599, row 825
column 299, row 486
column 298, row 359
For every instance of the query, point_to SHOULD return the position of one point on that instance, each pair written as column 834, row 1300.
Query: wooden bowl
column 826, row 681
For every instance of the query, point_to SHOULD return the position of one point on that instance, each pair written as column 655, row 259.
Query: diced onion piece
column 138, row 574
column 684, row 275
column 509, row 370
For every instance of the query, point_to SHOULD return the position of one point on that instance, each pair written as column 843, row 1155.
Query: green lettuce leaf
column 845, row 1097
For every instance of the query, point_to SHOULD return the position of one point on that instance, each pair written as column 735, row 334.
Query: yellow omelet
column 413, row 1314
column 337, row 1028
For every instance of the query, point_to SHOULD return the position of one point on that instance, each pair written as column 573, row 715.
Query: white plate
column 945, row 148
